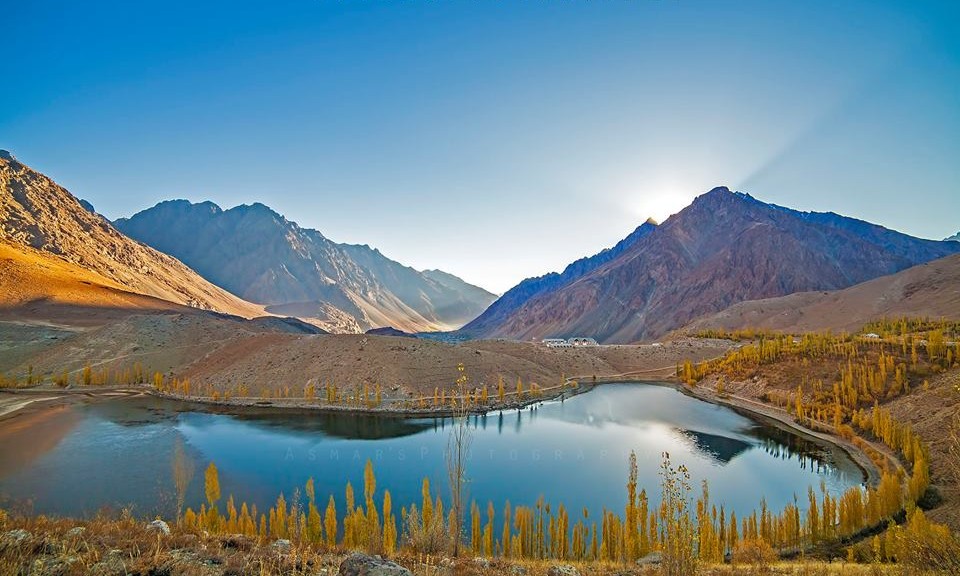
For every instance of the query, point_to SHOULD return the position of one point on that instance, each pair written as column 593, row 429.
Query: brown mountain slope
column 37, row 213
column 931, row 289
column 726, row 247
column 32, row 280
column 262, row 257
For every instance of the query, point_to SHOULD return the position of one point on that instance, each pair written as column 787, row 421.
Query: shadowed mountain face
column 954, row 238
column 724, row 248
column 41, row 221
column 261, row 256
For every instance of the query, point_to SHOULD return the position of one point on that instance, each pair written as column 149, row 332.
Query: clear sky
column 495, row 139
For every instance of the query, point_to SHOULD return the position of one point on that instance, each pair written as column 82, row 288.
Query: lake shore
column 31, row 401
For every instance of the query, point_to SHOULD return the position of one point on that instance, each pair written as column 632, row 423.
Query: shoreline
column 753, row 409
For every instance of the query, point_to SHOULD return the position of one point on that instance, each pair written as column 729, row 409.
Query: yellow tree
column 330, row 523
column 212, row 489
column 314, row 524
column 389, row 525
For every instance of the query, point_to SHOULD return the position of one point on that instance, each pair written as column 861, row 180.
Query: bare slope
column 37, row 285
column 224, row 352
column 37, row 213
column 724, row 248
column 931, row 289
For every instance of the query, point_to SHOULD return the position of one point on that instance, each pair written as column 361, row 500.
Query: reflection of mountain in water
column 722, row 449
column 146, row 411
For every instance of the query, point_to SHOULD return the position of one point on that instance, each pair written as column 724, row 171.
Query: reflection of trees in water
column 147, row 411
column 343, row 426
column 784, row 445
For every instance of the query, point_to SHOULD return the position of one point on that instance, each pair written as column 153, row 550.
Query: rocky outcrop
column 159, row 526
column 563, row 570
column 362, row 565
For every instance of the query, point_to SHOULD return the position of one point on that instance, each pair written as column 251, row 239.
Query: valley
column 810, row 356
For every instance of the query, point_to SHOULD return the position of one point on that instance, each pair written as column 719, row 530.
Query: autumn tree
column 389, row 525
column 183, row 470
column 458, row 446
column 679, row 539
column 330, row 523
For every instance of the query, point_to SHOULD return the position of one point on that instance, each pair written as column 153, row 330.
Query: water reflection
column 119, row 453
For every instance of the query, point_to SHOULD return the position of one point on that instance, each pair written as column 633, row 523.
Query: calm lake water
column 119, row 453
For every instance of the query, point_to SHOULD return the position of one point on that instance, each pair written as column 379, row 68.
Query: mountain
column 926, row 290
column 954, row 238
column 261, row 256
column 39, row 218
column 725, row 248
column 516, row 297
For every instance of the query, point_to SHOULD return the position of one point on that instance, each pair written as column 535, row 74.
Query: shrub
column 755, row 552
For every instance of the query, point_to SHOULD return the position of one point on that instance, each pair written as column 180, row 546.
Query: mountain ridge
column 726, row 247
column 532, row 287
column 39, row 214
column 259, row 254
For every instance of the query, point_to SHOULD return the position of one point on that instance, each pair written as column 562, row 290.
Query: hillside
column 37, row 213
column 263, row 257
column 35, row 285
column 954, row 238
column 520, row 294
column 724, row 248
column 926, row 290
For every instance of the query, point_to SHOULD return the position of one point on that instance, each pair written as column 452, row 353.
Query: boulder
column 651, row 559
column 236, row 542
column 113, row 564
column 53, row 565
column 358, row 564
column 75, row 532
column 159, row 526
column 15, row 538
column 282, row 546
column 481, row 562
column 563, row 570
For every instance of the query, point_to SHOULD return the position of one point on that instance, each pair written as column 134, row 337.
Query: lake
column 118, row 453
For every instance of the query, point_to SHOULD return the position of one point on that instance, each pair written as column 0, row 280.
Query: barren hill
column 931, row 290
column 263, row 257
column 726, row 247
column 37, row 213
column 35, row 285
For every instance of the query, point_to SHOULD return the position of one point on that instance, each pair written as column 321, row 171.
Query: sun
column 661, row 202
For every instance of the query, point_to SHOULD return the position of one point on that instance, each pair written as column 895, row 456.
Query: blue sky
column 493, row 139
